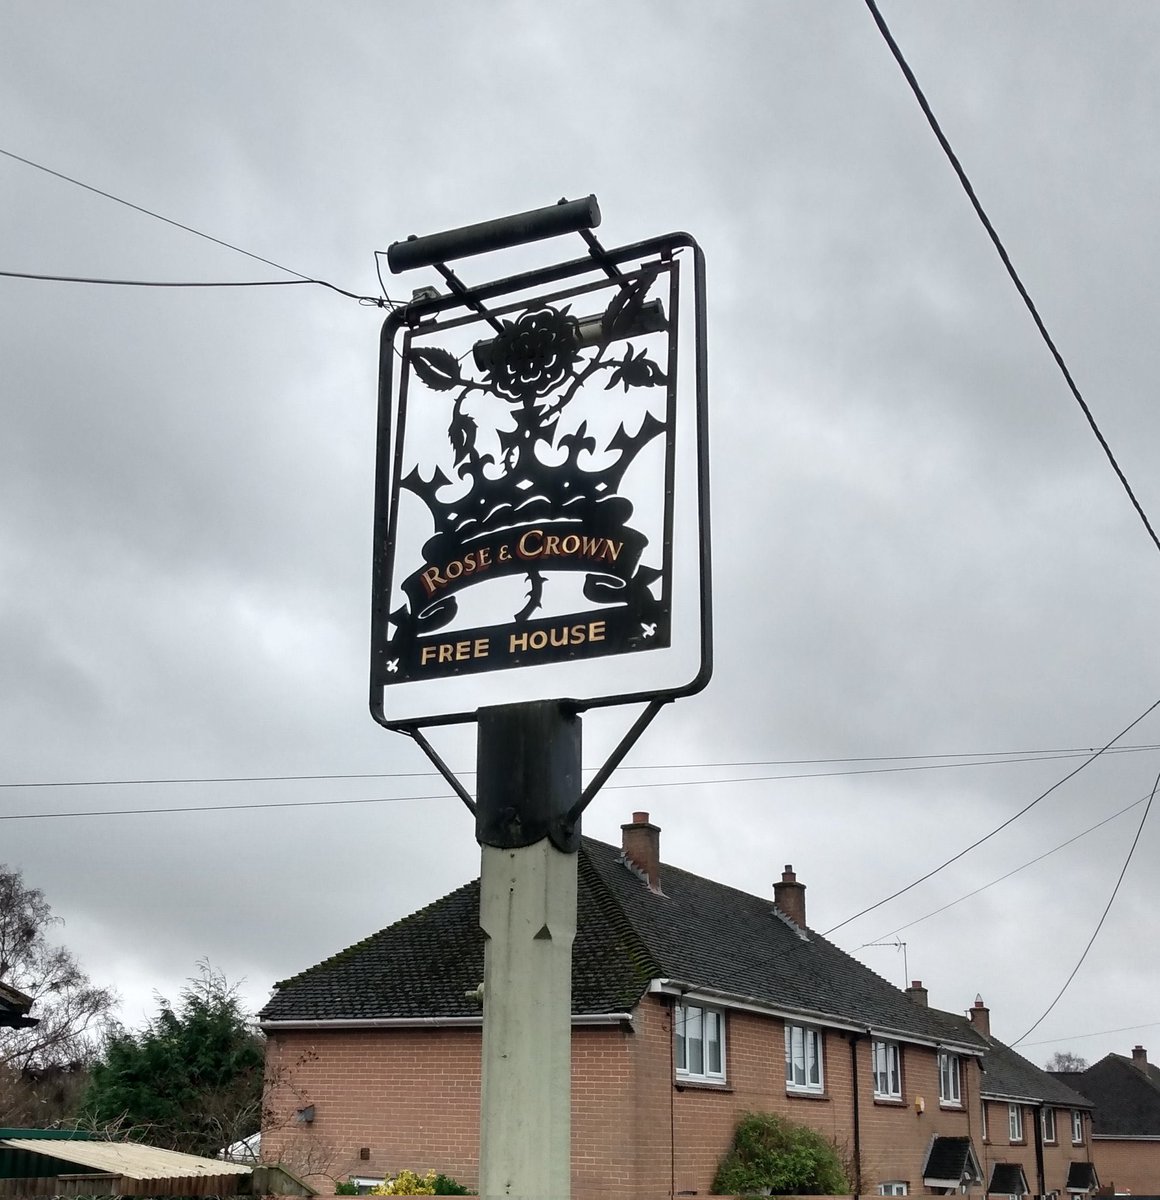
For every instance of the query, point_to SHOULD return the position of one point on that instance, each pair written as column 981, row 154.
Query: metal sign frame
column 438, row 369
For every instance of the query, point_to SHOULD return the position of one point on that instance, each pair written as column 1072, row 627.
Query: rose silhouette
column 533, row 354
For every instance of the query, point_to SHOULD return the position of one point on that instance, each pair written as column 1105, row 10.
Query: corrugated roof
column 129, row 1159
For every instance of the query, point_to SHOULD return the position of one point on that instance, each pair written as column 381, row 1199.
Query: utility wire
column 201, row 808
column 380, row 302
column 1006, row 259
column 1039, row 858
column 157, row 216
column 1103, row 916
column 119, row 812
column 1029, row 756
column 166, row 283
column 998, row 828
column 1075, row 1037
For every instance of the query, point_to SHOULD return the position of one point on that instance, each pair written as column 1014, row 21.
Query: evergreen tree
column 191, row 1080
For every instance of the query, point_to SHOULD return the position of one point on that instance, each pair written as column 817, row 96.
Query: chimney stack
column 641, row 845
column 1140, row 1057
column 980, row 1016
column 790, row 897
column 917, row 993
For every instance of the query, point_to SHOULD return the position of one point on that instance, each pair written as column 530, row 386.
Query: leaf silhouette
column 624, row 308
column 461, row 433
column 437, row 368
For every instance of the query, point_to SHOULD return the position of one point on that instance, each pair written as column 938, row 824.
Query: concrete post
column 528, row 912
column 528, row 781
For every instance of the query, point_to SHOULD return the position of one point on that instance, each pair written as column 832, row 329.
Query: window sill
column 1018, row 1142
column 951, row 1105
column 795, row 1094
column 701, row 1085
column 890, row 1101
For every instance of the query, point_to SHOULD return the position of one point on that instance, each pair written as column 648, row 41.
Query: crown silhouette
column 528, row 473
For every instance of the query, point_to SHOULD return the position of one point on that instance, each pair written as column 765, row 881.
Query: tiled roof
column 1081, row 1177
column 423, row 965
column 1007, row 1179
column 717, row 938
column 698, row 933
column 1007, row 1075
column 1126, row 1099
column 950, row 1161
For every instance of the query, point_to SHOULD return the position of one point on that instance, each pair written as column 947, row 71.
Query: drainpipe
column 1039, row 1149
column 855, row 1038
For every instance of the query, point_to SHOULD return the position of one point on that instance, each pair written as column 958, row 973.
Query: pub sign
column 542, row 481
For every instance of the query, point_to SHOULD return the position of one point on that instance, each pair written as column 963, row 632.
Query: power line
column 167, row 283
column 1103, row 916
column 984, row 759
column 202, row 808
column 148, row 212
column 1030, row 863
column 1075, row 1037
column 998, row 828
column 1007, row 263
column 155, row 215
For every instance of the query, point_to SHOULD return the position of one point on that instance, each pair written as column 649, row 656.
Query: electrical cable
column 1075, row 1037
column 1029, row 756
column 375, row 300
column 204, row 808
column 998, row 828
column 1103, row 916
column 157, row 216
column 1030, row 863
column 1007, row 263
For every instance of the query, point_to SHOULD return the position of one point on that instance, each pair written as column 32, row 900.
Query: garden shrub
column 773, row 1155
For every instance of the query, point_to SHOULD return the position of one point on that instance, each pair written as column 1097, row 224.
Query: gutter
column 690, row 991
column 340, row 1023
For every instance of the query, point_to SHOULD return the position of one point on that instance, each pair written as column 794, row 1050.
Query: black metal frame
column 574, row 216
column 422, row 309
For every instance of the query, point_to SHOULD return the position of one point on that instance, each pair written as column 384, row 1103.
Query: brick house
column 1036, row 1129
column 1125, row 1134
column 692, row 1004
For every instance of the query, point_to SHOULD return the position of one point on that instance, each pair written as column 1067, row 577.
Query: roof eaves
column 339, row 1023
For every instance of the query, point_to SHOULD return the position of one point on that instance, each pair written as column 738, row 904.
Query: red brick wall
column 1131, row 1166
column 411, row 1098
column 1057, row 1156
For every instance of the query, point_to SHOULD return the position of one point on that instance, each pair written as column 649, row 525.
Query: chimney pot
column 790, row 897
column 917, row 993
column 980, row 1016
column 641, row 846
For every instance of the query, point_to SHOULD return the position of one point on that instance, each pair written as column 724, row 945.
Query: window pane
column 713, row 1043
column 696, row 1046
column 814, row 1057
column 679, row 1038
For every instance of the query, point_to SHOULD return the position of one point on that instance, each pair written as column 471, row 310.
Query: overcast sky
column 919, row 547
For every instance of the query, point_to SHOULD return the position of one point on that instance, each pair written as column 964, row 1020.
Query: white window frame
column 950, row 1086
column 886, row 1069
column 983, row 1110
column 1015, row 1122
column 1047, row 1124
column 893, row 1187
column 698, row 1066
column 804, row 1053
column 1076, row 1127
